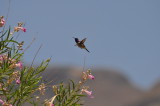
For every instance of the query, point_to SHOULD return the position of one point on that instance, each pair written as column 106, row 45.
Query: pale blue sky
column 123, row 34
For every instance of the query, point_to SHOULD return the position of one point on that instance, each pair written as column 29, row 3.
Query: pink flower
column 19, row 64
column 23, row 29
column 16, row 29
column 1, row 57
column 1, row 101
column 89, row 93
column 18, row 81
column 52, row 105
column 91, row 77
column 4, row 103
column 2, row 21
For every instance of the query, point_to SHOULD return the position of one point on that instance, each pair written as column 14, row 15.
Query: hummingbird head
column 76, row 40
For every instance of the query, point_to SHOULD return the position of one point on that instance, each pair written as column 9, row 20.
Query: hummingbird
column 80, row 44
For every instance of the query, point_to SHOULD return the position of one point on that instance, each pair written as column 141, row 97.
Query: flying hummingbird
column 80, row 44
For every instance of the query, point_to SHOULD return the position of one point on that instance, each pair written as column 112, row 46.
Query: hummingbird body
column 80, row 44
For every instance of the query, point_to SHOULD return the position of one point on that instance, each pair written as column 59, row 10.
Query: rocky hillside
column 150, row 98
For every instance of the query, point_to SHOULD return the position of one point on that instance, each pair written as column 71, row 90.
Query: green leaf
column 73, row 85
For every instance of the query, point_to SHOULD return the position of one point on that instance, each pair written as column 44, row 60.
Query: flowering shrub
column 19, row 83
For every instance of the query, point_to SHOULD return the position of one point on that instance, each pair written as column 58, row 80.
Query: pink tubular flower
column 16, row 29
column 19, row 64
column 18, row 81
column 1, row 57
column 2, row 21
column 4, row 103
column 90, row 76
column 89, row 93
column 23, row 29
column 1, row 101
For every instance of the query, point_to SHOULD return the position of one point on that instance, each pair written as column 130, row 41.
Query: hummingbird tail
column 87, row 50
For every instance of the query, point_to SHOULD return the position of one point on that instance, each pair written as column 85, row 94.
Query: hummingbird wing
column 83, row 40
